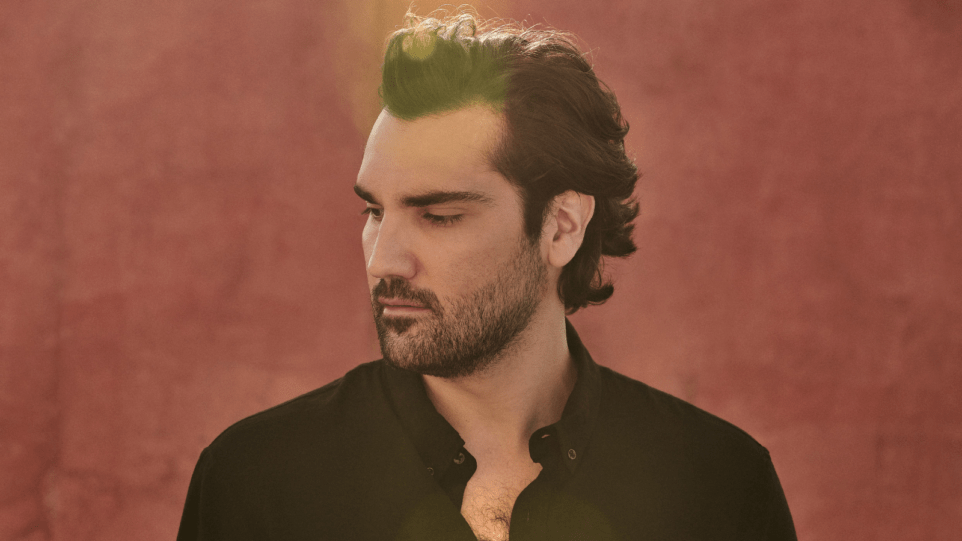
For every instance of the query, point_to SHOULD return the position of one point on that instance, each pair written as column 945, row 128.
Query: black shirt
column 367, row 457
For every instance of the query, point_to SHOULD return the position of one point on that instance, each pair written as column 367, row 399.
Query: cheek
column 466, row 266
column 368, row 239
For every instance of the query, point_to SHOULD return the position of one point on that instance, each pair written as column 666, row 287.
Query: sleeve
column 766, row 516
column 780, row 525
column 192, row 522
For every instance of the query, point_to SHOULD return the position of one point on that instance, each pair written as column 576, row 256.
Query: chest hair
column 489, row 500
column 488, row 512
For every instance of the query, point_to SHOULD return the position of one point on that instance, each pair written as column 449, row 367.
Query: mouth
column 401, row 307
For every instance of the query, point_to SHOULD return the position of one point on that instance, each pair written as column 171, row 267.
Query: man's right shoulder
column 306, row 468
column 346, row 400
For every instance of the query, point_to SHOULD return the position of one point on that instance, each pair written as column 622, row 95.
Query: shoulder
column 673, row 426
column 322, row 411
column 300, row 466
column 709, row 477
column 697, row 463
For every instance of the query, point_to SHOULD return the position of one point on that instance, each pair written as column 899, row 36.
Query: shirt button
column 460, row 459
column 431, row 471
column 572, row 454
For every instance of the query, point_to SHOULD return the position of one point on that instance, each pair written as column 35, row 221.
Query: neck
column 526, row 388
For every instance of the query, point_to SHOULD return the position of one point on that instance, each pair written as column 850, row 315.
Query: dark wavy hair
column 563, row 127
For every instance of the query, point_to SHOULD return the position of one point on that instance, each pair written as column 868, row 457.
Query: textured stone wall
column 179, row 244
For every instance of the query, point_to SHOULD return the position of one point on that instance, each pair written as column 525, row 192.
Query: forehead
column 443, row 152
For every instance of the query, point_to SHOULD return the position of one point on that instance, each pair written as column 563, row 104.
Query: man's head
column 495, row 176
column 563, row 129
column 453, row 277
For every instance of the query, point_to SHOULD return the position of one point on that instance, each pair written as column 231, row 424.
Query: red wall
column 179, row 244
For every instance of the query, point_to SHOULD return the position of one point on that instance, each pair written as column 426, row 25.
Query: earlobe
column 571, row 213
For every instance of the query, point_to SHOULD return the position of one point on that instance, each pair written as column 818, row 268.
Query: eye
column 443, row 220
column 374, row 212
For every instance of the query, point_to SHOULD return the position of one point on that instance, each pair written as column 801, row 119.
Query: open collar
column 439, row 444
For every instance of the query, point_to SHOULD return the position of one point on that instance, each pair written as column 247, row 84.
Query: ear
column 565, row 227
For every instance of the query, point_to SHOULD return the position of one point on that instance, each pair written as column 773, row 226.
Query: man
column 494, row 180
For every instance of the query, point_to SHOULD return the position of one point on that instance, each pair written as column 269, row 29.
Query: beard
column 473, row 332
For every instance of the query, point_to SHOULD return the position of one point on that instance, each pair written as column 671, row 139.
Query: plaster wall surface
column 179, row 244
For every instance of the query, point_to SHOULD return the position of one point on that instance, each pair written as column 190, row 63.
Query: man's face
column 453, row 278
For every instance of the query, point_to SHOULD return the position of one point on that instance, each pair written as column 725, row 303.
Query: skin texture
column 507, row 275
column 446, row 253
column 473, row 333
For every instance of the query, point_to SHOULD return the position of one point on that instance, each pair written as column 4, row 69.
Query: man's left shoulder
column 661, row 422
column 705, row 477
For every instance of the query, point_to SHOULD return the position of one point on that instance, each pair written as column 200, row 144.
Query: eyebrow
column 427, row 199
column 365, row 195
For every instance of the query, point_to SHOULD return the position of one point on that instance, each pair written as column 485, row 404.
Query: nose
column 387, row 249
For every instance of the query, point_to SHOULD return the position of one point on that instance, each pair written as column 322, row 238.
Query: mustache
column 399, row 288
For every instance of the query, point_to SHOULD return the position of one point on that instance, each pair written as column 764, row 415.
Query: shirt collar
column 435, row 439
column 438, row 443
column 581, row 411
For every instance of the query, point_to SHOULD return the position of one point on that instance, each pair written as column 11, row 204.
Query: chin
column 395, row 325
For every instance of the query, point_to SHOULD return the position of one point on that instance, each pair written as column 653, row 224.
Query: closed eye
column 373, row 211
column 440, row 220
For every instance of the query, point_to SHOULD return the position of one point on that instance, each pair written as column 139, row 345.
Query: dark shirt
column 367, row 457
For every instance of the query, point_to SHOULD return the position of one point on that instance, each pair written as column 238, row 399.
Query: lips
column 402, row 308
column 400, row 303
column 396, row 298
